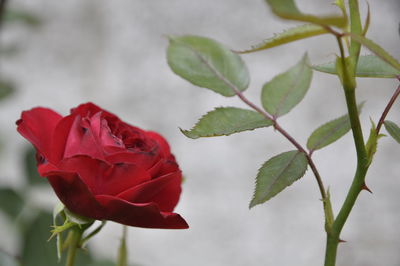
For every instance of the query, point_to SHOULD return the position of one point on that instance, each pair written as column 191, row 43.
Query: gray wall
column 113, row 53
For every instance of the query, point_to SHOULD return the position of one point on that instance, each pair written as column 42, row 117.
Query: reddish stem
column 388, row 106
column 288, row 137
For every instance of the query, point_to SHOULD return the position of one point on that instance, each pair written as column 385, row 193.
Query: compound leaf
column 278, row 173
column 287, row 9
column 286, row 90
column 369, row 66
column 226, row 121
column 289, row 35
column 206, row 63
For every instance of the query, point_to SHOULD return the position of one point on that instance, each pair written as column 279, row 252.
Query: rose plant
column 207, row 63
column 102, row 168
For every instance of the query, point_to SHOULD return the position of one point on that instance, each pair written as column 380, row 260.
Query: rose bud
column 103, row 168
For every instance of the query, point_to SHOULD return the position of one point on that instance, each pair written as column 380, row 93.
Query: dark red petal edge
column 74, row 194
column 164, row 191
column 146, row 215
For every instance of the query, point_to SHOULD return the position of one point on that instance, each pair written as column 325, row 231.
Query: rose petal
column 86, row 109
column 164, row 191
column 60, row 138
column 162, row 168
column 71, row 138
column 90, row 171
column 37, row 126
column 104, row 178
column 122, row 176
column 45, row 168
column 89, row 109
column 145, row 159
column 75, row 195
column 104, row 137
column 161, row 141
column 81, row 141
column 139, row 215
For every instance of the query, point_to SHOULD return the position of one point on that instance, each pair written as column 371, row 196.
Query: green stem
column 75, row 236
column 122, row 253
column 355, row 27
column 333, row 237
column 331, row 250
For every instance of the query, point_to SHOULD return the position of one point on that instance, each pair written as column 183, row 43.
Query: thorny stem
column 325, row 199
column 287, row 136
column 387, row 109
column 348, row 82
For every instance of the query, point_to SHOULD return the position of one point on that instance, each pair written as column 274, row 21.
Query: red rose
column 105, row 169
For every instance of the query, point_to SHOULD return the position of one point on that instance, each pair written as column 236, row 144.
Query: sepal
column 66, row 222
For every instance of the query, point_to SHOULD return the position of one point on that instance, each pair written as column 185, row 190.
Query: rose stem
column 122, row 253
column 76, row 235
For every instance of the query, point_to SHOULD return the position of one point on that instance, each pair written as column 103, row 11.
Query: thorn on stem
column 342, row 241
column 364, row 187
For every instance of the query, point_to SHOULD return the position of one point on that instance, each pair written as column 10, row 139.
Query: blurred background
column 59, row 54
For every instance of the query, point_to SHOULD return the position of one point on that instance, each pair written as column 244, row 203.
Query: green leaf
column 206, row 63
column 330, row 132
column 31, row 172
column 38, row 251
column 226, row 121
column 13, row 15
column 9, row 50
column 367, row 22
column 11, row 202
column 287, row 9
column 278, row 173
column 6, row 89
column 355, row 28
column 376, row 49
column 342, row 6
column 290, row 35
column 393, row 130
column 369, row 66
column 286, row 90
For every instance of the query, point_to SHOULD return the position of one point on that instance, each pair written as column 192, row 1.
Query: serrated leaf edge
column 376, row 49
column 305, row 64
column 283, row 38
column 187, row 133
column 252, row 203
column 210, row 66
column 311, row 149
column 358, row 73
